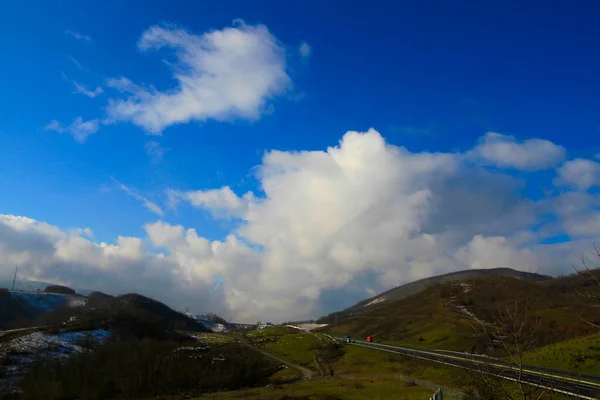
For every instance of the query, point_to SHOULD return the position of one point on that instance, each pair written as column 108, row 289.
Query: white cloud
column 495, row 252
column 578, row 173
column 150, row 206
column 506, row 152
column 55, row 126
column 78, row 36
column 79, row 128
column 44, row 252
column 222, row 203
column 305, row 50
column 74, row 61
column 360, row 215
column 87, row 92
column 154, row 150
column 222, row 74
column 586, row 224
column 328, row 217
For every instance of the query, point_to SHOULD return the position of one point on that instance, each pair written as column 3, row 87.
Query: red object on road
column 369, row 339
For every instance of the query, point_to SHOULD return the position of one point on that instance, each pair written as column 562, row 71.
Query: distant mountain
column 130, row 314
column 20, row 309
column 404, row 291
column 443, row 315
column 136, row 314
column 32, row 286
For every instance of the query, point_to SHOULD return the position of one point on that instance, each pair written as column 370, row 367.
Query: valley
column 440, row 338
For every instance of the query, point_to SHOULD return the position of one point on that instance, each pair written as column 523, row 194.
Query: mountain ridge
column 408, row 289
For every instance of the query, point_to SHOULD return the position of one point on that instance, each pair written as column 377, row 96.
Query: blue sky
column 427, row 76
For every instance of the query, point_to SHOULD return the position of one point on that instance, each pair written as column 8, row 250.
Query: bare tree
column 508, row 338
column 593, row 274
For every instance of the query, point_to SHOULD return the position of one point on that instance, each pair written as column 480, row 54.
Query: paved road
column 582, row 387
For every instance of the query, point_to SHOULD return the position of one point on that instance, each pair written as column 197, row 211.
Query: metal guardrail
column 583, row 389
column 437, row 395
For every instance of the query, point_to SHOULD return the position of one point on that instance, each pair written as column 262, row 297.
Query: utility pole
column 15, row 278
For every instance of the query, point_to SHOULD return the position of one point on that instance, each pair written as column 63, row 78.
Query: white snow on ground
column 466, row 287
column 60, row 344
column 77, row 301
column 25, row 350
column 376, row 301
column 471, row 315
column 48, row 301
column 215, row 327
column 309, row 326
column 208, row 324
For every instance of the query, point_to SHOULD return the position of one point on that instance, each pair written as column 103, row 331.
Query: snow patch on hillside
column 18, row 354
column 48, row 301
column 61, row 344
column 208, row 324
column 376, row 301
column 308, row 326
column 465, row 286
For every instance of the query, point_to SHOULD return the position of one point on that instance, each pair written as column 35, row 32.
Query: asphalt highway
column 577, row 386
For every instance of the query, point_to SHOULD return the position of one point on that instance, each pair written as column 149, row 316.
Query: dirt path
column 314, row 355
column 307, row 374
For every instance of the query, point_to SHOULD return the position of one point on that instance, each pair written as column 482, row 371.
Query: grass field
column 438, row 317
column 289, row 344
column 285, row 375
column 359, row 373
column 580, row 355
column 335, row 388
column 214, row 338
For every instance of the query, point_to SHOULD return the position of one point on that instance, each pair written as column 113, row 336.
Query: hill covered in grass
column 409, row 289
column 441, row 315
column 131, row 312
column 128, row 314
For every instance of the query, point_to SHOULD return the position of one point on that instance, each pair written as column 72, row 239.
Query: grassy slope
column 332, row 389
column 288, row 344
column 419, row 320
column 409, row 289
column 431, row 318
column 359, row 374
column 580, row 355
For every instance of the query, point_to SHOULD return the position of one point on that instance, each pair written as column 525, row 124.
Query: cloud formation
column 329, row 227
column 79, row 129
column 87, row 92
column 222, row 203
column 44, row 252
column 154, row 150
column 75, row 62
column 78, row 36
column 579, row 173
column 305, row 50
column 221, row 75
column 149, row 205
column 506, row 152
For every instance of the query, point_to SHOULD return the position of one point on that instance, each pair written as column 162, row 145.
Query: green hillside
column 439, row 316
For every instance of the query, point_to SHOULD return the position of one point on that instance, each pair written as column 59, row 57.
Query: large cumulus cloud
column 325, row 229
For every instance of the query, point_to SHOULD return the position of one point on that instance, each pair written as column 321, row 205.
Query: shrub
column 146, row 368
column 59, row 289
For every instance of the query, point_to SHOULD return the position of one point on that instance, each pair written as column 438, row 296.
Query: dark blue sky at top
column 428, row 75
